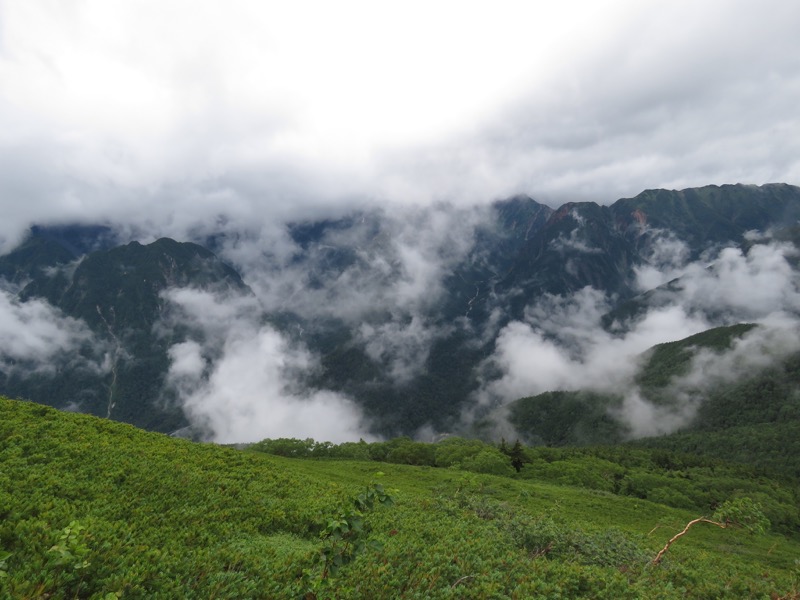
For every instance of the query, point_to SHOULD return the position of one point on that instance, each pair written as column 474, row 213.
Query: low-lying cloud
column 763, row 347
column 379, row 277
column 561, row 344
column 239, row 380
column 39, row 339
column 388, row 260
column 572, row 350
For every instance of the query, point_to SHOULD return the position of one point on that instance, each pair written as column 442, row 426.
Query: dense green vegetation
column 772, row 447
column 574, row 418
column 679, row 480
column 96, row 509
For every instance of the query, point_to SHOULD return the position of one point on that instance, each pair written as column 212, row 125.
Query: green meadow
column 91, row 508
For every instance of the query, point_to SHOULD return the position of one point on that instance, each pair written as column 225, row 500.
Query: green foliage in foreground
column 146, row 516
column 344, row 538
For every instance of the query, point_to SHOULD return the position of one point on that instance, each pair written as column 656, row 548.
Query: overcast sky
column 165, row 113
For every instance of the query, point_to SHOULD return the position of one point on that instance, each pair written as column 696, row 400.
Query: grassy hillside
column 91, row 507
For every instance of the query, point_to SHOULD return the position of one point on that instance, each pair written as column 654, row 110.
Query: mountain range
column 434, row 320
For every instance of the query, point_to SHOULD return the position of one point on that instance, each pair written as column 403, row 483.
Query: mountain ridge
column 520, row 252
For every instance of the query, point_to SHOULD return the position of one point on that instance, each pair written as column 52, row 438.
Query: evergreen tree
column 517, row 455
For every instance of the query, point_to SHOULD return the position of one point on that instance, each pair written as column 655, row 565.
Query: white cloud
column 40, row 338
column 240, row 380
column 574, row 242
column 644, row 418
column 186, row 362
column 169, row 115
column 726, row 282
column 400, row 347
column 569, row 350
column 382, row 278
column 249, row 394
column 752, row 285
column 667, row 259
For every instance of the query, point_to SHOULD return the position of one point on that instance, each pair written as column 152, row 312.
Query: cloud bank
column 239, row 380
column 242, row 368
column 381, row 277
column 169, row 116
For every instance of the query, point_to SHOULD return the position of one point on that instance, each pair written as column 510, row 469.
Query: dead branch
column 462, row 580
column 677, row 536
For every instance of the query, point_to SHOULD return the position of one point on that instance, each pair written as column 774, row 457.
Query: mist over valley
column 414, row 321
